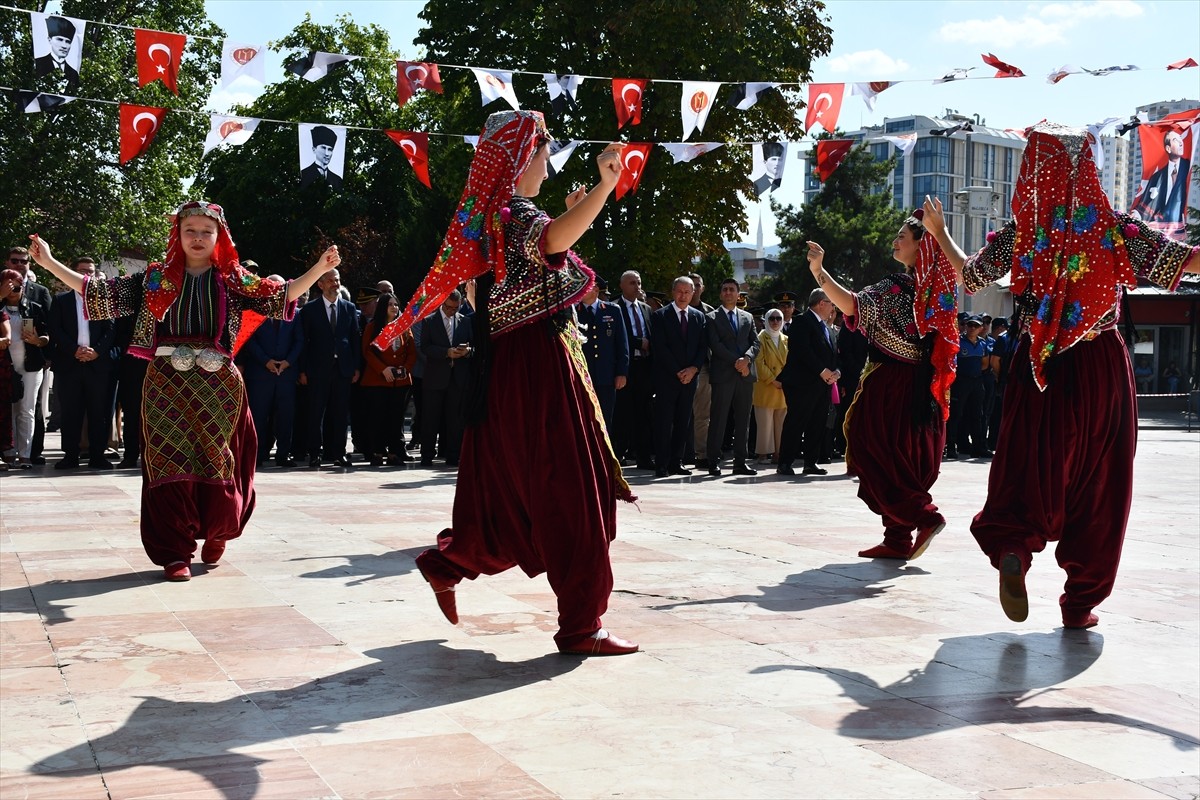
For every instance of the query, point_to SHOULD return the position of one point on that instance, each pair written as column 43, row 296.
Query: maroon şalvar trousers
column 185, row 453
column 895, row 459
column 1063, row 469
column 536, row 485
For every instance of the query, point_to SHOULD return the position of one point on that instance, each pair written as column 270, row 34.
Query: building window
column 900, row 125
column 932, row 155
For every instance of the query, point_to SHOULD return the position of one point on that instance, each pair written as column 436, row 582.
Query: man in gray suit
column 733, row 347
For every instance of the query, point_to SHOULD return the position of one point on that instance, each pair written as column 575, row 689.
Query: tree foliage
column 854, row 225
column 680, row 212
column 61, row 177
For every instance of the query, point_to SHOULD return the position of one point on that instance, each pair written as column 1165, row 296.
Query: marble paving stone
column 312, row 662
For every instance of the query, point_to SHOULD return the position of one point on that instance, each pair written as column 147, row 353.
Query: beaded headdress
column 474, row 242
column 1069, row 252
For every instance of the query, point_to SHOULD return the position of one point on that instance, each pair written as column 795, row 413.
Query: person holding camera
column 386, row 383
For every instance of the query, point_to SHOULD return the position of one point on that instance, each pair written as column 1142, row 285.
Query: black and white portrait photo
column 767, row 168
column 57, row 49
column 322, row 155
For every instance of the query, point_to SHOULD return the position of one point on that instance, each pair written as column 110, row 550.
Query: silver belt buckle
column 210, row 360
column 184, row 358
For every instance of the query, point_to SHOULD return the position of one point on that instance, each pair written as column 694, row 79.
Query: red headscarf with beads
column 475, row 241
column 1069, row 252
column 934, row 306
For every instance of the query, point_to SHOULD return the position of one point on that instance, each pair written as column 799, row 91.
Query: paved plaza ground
column 312, row 662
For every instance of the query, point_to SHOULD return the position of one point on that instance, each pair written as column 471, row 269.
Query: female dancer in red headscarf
column 896, row 426
column 537, row 480
column 191, row 314
column 1063, row 469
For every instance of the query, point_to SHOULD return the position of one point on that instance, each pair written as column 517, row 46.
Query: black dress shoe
column 342, row 461
column 646, row 465
column 285, row 463
column 715, row 472
column 314, row 462
column 67, row 463
column 37, row 461
column 661, row 473
column 426, row 462
column 680, row 470
column 784, row 469
column 702, row 463
column 742, row 469
column 100, row 463
column 128, row 463
column 815, row 471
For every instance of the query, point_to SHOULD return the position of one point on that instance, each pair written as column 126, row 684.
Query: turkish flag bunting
column 139, row 126
column 414, row 75
column 158, row 56
column 824, row 105
column 627, row 98
column 416, row 150
column 830, row 154
column 1187, row 62
column 1004, row 70
column 633, row 161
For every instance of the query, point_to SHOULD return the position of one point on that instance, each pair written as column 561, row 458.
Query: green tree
column 850, row 217
column 680, row 211
column 61, row 177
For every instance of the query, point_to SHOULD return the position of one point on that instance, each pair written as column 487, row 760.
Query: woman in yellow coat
column 770, row 407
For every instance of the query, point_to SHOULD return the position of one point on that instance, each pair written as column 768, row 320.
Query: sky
column 915, row 41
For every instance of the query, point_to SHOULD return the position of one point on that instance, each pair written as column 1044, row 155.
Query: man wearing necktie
column 606, row 348
column 446, row 344
column 810, row 370
column 733, row 346
column 631, row 434
column 679, row 351
column 1165, row 197
column 332, row 358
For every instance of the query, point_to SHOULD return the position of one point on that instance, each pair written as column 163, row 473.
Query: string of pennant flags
column 58, row 52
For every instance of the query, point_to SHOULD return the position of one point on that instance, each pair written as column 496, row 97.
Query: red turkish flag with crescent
column 1003, row 69
column 830, row 154
column 414, row 75
column 416, row 150
column 633, row 161
column 627, row 98
column 824, row 105
column 139, row 126
column 158, row 56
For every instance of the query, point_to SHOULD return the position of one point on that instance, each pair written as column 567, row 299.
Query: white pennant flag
column 698, row 97
column 494, row 85
column 1110, row 70
column 1062, row 72
column 904, row 141
column 316, row 65
column 238, row 60
column 228, row 130
column 685, row 151
column 869, row 91
column 745, row 95
column 1095, row 131
column 472, row 140
column 560, row 152
column 957, row 74
column 562, row 90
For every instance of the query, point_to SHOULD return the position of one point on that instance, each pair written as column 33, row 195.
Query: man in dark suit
column 633, row 437
column 18, row 259
column 680, row 347
column 271, row 366
column 332, row 352
column 733, row 347
column 324, row 141
column 60, row 32
column 1165, row 196
column 606, row 349
column 807, row 377
column 445, row 342
column 84, row 355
